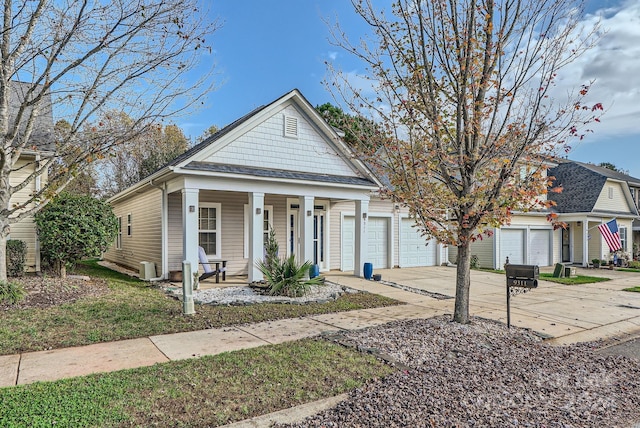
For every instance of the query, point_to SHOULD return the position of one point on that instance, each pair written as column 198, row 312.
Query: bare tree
column 463, row 90
column 78, row 59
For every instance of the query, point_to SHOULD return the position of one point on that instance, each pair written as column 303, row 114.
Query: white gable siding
column 617, row 202
column 265, row 146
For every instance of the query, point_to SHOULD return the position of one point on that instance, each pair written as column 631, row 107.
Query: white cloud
column 332, row 55
column 614, row 66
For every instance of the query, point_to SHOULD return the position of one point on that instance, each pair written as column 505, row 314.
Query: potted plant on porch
column 596, row 263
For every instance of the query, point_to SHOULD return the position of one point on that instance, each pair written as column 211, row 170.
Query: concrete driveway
column 561, row 313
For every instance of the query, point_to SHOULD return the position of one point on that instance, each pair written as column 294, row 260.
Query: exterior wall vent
column 290, row 126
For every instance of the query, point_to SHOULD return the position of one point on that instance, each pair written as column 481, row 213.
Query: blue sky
column 266, row 48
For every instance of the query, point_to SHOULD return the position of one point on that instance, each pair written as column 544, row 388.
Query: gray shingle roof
column 42, row 136
column 581, row 186
column 276, row 173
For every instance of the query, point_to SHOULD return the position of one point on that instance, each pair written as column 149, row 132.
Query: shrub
column 634, row 264
column 287, row 278
column 16, row 257
column 271, row 250
column 475, row 263
column 73, row 227
column 11, row 292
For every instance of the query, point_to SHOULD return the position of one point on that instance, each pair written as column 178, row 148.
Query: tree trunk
column 463, row 282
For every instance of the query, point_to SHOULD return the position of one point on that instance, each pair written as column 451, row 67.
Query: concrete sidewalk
column 564, row 314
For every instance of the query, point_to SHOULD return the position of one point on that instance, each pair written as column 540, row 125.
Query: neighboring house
column 592, row 195
column 280, row 166
column 41, row 144
column 528, row 239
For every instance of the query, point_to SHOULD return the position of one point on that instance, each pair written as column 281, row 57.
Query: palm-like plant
column 286, row 277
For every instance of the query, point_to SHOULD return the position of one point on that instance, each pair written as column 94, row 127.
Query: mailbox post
column 522, row 278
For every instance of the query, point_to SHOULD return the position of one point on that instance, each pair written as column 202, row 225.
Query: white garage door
column 512, row 246
column 413, row 248
column 539, row 247
column 378, row 242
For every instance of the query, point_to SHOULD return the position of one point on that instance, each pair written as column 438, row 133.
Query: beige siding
column 612, row 198
column 578, row 242
column 25, row 229
column 232, row 209
column 482, row 249
column 145, row 241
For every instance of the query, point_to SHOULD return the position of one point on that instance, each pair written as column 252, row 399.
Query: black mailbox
column 522, row 275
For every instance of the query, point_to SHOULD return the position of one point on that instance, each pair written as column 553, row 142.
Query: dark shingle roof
column 581, row 186
column 276, row 173
column 42, row 137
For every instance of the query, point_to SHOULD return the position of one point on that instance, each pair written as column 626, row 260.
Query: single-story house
column 281, row 166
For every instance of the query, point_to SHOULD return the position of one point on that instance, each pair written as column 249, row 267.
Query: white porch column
column 305, row 219
column 256, row 227
column 361, row 244
column 190, row 227
column 585, row 243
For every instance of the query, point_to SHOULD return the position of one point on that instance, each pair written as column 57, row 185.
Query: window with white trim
column 129, row 224
column 623, row 237
column 119, row 235
column 209, row 226
column 610, row 192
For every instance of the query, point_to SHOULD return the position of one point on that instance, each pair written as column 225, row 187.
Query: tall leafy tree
column 78, row 59
column 130, row 161
column 358, row 130
column 463, row 90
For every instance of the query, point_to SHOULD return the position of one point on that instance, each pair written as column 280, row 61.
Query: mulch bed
column 46, row 291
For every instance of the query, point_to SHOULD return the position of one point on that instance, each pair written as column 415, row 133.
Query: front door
column 319, row 234
column 566, row 244
column 318, row 238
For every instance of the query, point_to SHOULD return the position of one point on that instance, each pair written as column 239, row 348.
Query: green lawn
column 633, row 289
column 207, row 391
column 133, row 309
column 580, row 279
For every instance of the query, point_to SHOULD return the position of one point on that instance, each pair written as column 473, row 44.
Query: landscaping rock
column 485, row 375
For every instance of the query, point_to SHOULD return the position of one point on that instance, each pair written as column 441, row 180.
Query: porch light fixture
column 192, row 208
column 308, row 213
column 364, row 216
column 258, row 211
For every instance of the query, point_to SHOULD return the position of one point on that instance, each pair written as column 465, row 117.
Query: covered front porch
column 231, row 219
column 581, row 242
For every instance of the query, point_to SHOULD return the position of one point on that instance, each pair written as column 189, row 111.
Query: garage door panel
column 415, row 250
column 539, row 247
column 512, row 246
column 377, row 242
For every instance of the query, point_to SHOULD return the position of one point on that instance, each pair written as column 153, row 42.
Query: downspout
column 163, row 231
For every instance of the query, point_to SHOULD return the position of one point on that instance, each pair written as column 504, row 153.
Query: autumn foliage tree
column 77, row 60
column 463, row 91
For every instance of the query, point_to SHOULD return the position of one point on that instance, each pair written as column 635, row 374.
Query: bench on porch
column 208, row 270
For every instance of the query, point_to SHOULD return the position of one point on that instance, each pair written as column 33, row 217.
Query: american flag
column 611, row 235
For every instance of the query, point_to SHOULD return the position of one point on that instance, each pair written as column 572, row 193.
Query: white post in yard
column 190, row 212
column 187, row 289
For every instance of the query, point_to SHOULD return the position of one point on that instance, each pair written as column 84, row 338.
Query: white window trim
column 610, row 192
column 119, row 234
column 624, row 238
column 129, row 224
column 217, row 230
column 268, row 208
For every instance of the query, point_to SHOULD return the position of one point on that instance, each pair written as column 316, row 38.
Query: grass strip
column 132, row 309
column 208, row 391
column 632, row 289
column 580, row 279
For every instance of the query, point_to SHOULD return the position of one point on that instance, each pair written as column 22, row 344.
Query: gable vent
column 291, row 126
